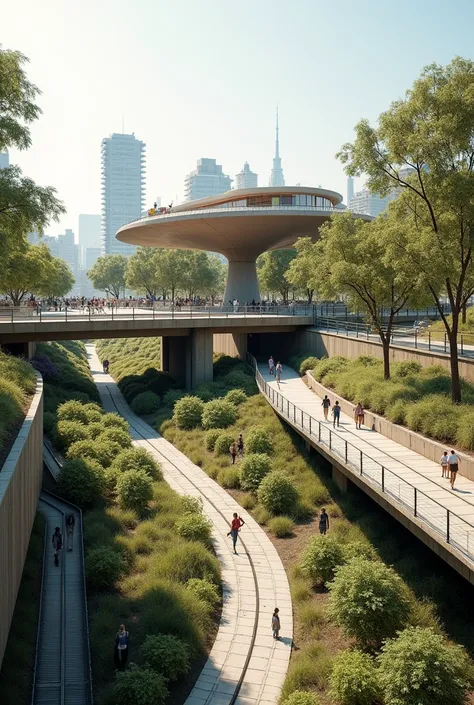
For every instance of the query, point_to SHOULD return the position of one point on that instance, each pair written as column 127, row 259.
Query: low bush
column 236, row 396
column 420, row 667
column 465, row 430
column 204, row 590
column 81, row 481
column 171, row 397
column 281, row 527
column 140, row 686
column 332, row 365
column 111, row 475
column 229, row 478
column 358, row 549
column 95, row 429
column 321, row 557
column 190, row 560
column 194, row 527
column 130, row 391
column 115, row 435
column 145, row 403
column 309, row 363
column 354, row 679
column 301, row 697
column 135, row 490
column 254, row 468
column 166, row 654
column 49, row 423
column 277, row 494
column 69, row 432
column 114, row 420
column 405, row 368
column 309, row 670
column 104, row 567
column 369, row 601
column 73, row 411
column 211, row 437
column 188, row 412
column 223, row 443
column 219, row 414
column 137, row 459
column 259, row 441
column 102, row 451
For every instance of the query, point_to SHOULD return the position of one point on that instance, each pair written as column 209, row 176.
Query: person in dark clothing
column 233, row 452
column 105, row 365
column 122, row 641
column 336, row 412
column 57, row 544
column 240, row 444
column 323, row 522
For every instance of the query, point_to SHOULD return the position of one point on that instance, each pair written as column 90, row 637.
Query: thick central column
column 242, row 281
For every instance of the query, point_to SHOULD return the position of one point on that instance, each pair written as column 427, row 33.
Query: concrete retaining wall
column 233, row 344
column 20, row 484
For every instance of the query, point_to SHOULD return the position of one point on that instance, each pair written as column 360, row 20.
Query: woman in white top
column 454, row 463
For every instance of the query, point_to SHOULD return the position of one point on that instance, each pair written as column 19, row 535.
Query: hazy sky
column 201, row 78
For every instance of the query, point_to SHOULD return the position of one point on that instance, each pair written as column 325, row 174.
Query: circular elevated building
column 240, row 224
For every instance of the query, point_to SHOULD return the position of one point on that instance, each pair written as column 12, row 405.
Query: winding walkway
column 245, row 665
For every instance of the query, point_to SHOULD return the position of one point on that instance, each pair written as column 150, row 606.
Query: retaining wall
column 20, row 485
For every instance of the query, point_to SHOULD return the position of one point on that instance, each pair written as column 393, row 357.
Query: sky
column 201, row 78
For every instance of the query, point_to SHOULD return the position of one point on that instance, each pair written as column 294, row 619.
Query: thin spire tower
column 276, row 176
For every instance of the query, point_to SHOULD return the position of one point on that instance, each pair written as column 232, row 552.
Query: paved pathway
column 254, row 583
column 405, row 468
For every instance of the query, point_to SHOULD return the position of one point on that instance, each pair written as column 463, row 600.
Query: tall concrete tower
column 350, row 189
column 276, row 177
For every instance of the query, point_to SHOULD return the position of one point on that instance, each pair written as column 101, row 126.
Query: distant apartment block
column 246, row 178
column 207, row 179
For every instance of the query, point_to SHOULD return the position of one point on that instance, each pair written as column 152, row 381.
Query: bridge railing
column 451, row 527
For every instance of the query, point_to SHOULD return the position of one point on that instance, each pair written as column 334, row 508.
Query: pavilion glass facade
column 298, row 200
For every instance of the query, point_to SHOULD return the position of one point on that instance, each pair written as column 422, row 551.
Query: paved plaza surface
column 254, row 581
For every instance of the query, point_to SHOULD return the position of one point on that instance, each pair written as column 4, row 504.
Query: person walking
column 336, row 414
column 326, row 403
column 122, row 641
column 271, row 365
column 454, row 462
column 276, row 626
column 240, row 445
column 70, row 523
column 235, row 304
column 57, row 544
column 444, row 464
column 359, row 415
column 235, row 526
column 233, row 451
column 323, row 522
column 278, row 371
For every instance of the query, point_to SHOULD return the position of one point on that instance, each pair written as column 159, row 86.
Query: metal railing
column 246, row 209
column 455, row 530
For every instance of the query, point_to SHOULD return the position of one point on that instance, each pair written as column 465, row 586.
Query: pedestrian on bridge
column 278, row 371
column 235, row 526
column 271, row 365
column 454, row 462
column 70, row 523
column 326, row 403
column 336, row 414
column 122, row 641
column 57, row 544
column 444, row 464
column 359, row 415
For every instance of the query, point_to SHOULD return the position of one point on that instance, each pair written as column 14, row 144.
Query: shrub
column 301, row 697
column 137, row 459
column 354, row 679
column 229, row 478
column 194, row 527
column 321, row 557
column 397, row 412
column 95, row 429
column 208, row 391
column 172, row 396
column 465, row 431
column 259, row 441
column 277, row 494
column 104, row 566
column 422, row 415
column 189, row 560
column 191, row 505
column 140, row 686
column 167, row 655
column 308, row 363
column 223, row 443
column 204, row 590
column 236, row 380
column 145, row 403
column 236, row 396
column 49, row 422
column 420, row 667
column 219, row 414
column 94, row 412
column 102, row 451
column 281, row 527
column 309, row 669
column 255, row 467
column 111, row 475
column 369, row 601
column 134, row 489
column 81, row 481
column 73, row 411
column 211, row 437
column 115, row 435
column 358, row 549
column 188, row 412
column 326, row 366
column 112, row 419
column 405, row 368
column 69, row 432
column 130, row 391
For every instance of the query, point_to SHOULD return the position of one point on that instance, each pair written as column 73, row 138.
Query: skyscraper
column 123, row 188
column 370, row 203
column 246, row 178
column 276, row 177
column 350, row 189
column 89, row 233
column 207, row 179
column 4, row 160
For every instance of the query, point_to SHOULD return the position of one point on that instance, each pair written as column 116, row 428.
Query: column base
column 242, row 283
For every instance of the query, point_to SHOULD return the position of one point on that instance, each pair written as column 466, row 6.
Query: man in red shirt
column 235, row 525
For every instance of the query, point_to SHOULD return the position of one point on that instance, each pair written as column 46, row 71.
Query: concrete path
column 404, row 468
column 244, row 659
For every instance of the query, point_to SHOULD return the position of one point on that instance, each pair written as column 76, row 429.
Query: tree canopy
column 108, row 274
column 302, row 269
column 271, row 269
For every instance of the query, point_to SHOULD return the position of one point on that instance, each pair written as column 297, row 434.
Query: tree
column 143, row 273
column 271, row 268
column 354, row 261
column 60, row 279
column 430, row 133
column 302, row 269
column 24, row 206
column 174, row 269
column 108, row 274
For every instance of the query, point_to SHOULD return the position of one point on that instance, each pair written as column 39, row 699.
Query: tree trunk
column 310, row 295
column 454, row 361
column 386, row 356
column 464, row 314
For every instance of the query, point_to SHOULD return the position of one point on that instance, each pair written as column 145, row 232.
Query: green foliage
column 194, row 527
column 188, row 412
column 69, row 432
column 420, row 668
column 320, row 559
column 259, row 441
column 81, row 481
column 326, row 366
column 145, row 403
column 172, row 396
column 309, row 363
column 140, row 686
column 108, row 274
column 281, row 527
column 223, row 443
column 354, row 679
column 229, row 478
column 135, row 490
column 369, row 601
column 115, row 435
column 190, row 560
column 49, row 422
column 218, row 414
column 358, row 549
column 254, row 468
column 104, row 566
column 166, row 654
column 74, row 411
column 301, row 697
column 211, row 437
column 112, row 420
column 465, row 430
column 72, row 379
column 272, row 267
column 309, row 670
column 236, row 396
column 137, row 459
column 204, row 590
column 103, row 452
column 277, row 493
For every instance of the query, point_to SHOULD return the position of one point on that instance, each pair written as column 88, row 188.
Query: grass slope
column 130, row 356
column 17, row 385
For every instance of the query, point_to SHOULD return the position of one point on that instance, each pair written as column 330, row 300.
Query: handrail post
column 445, row 342
column 319, row 431
column 361, row 463
column 462, row 344
column 429, row 340
column 383, row 479
column 288, row 408
column 310, row 425
column 415, row 508
column 133, row 313
column 416, row 338
column 447, row 527
column 345, row 452
column 302, row 424
column 330, row 439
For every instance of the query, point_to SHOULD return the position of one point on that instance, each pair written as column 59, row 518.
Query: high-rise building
column 350, row 189
column 276, row 177
column 246, row 178
column 370, row 203
column 89, row 233
column 91, row 256
column 4, row 160
column 207, row 179
column 123, row 188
